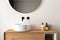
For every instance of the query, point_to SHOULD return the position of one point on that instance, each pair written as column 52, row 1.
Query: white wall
column 49, row 11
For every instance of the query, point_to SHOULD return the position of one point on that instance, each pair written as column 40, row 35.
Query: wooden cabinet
column 30, row 35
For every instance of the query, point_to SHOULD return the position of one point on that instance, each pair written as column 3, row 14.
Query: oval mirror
column 25, row 6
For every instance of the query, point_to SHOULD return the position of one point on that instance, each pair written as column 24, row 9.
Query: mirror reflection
column 25, row 6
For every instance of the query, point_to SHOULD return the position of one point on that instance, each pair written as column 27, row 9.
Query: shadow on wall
column 49, row 26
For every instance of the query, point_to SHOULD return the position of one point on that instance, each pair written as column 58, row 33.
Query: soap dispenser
column 46, row 27
column 42, row 27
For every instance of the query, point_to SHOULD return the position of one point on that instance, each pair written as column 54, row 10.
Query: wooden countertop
column 36, row 30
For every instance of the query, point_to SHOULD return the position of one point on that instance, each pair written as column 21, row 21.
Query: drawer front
column 24, row 36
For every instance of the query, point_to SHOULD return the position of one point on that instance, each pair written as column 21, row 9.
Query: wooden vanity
column 30, row 35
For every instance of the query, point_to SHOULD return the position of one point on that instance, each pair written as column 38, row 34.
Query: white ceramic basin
column 21, row 28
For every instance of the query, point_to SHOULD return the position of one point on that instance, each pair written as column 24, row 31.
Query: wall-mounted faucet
column 22, row 18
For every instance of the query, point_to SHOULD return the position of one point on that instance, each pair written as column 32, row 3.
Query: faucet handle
column 28, row 18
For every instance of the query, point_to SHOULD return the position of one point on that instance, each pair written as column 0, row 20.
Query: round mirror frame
column 23, row 10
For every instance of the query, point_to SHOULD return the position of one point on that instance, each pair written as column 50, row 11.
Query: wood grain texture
column 30, row 35
column 24, row 36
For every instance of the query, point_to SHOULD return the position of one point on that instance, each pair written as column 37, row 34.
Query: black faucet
column 22, row 18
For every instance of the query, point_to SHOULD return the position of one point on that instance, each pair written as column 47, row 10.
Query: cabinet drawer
column 24, row 36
